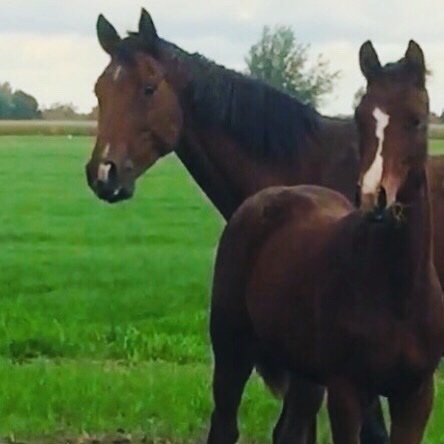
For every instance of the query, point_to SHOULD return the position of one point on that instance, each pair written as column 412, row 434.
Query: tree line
column 277, row 58
column 17, row 104
column 20, row 105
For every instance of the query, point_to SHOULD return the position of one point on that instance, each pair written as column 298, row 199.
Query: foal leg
column 373, row 429
column 410, row 413
column 346, row 409
column 233, row 367
column 297, row 423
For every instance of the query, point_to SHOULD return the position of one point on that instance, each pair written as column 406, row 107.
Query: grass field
column 103, row 309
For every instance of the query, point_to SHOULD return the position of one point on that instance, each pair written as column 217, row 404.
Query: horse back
column 272, row 241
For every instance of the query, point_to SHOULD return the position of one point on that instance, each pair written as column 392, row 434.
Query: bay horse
column 234, row 135
column 305, row 284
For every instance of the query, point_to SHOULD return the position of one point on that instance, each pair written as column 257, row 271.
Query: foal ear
column 415, row 58
column 147, row 29
column 369, row 60
column 107, row 35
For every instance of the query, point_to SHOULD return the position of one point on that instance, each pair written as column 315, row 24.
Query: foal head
column 140, row 119
column 392, row 119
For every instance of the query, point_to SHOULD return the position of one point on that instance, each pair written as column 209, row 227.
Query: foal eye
column 417, row 123
column 148, row 90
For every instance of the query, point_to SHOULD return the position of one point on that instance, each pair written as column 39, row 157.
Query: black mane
column 265, row 121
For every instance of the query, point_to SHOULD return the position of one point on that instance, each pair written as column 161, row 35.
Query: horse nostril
column 382, row 199
column 112, row 173
column 107, row 180
column 101, row 187
column 358, row 196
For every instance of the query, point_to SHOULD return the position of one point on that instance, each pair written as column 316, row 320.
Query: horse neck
column 200, row 153
column 227, row 174
column 224, row 170
column 203, row 161
column 409, row 249
column 420, row 230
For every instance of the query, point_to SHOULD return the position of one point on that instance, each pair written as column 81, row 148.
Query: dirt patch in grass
column 119, row 437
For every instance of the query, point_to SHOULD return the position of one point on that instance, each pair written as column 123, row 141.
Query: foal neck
column 418, row 219
column 409, row 245
column 391, row 258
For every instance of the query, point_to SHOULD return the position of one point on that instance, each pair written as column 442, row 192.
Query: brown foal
column 306, row 285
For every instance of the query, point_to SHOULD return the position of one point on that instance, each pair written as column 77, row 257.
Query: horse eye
column 148, row 90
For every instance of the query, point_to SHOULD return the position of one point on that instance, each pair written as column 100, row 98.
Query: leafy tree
column 434, row 118
column 25, row 106
column 60, row 111
column 94, row 114
column 6, row 105
column 68, row 111
column 17, row 104
column 279, row 59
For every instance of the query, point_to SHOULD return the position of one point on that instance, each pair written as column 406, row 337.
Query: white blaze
column 117, row 73
column 372, row 178
column 105, row 151
column 103, row 172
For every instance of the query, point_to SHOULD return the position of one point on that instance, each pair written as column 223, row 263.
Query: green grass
column 161, row 399
column 437, row 147
column 436, row 131
column 103, row 309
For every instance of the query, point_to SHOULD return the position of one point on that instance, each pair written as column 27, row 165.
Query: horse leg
column 373, row 429
column 297, row 423
column 346, row 408
column 409, row 414
column 278, row 427
column 232, row 368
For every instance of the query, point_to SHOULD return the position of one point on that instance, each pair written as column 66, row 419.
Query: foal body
column 306, row 285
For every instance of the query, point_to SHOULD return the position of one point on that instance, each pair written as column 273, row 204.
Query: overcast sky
column 49, row 47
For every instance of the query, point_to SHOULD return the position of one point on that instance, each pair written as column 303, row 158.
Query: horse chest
column 393, row 354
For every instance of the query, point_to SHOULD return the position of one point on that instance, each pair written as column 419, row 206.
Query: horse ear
column 369, row 60
column 415, row 57
column 107, row 35
column 147, row 29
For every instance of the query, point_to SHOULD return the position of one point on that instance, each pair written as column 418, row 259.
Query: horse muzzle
column 105, row 182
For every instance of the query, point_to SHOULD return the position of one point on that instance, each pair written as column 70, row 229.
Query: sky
column 49, row 47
